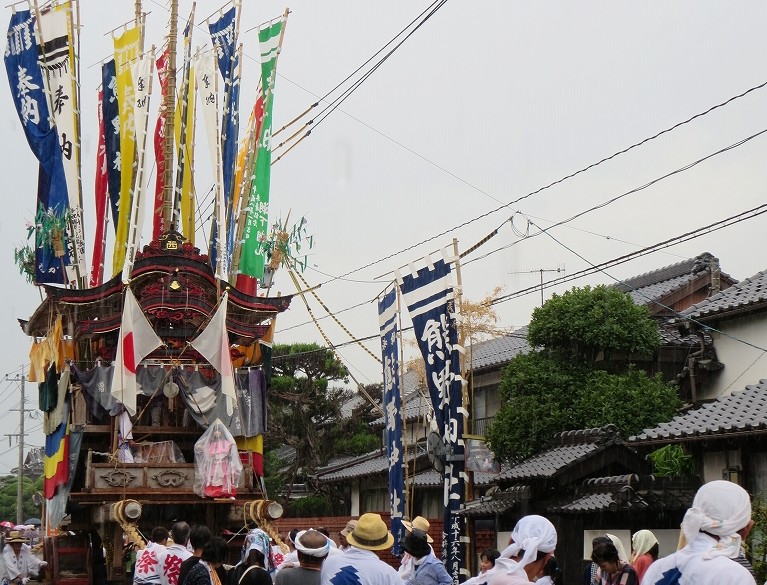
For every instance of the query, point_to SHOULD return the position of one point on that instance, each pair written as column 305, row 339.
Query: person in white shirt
column 148, row 559
column 20, row 563
column 360, row 565
column 171, row 558
column 713, row 531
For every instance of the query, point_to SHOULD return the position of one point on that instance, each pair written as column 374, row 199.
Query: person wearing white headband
column 532, row 543
column 313, row 548
column 713, row 531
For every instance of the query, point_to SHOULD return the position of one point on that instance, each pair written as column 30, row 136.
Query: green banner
column 252, row 255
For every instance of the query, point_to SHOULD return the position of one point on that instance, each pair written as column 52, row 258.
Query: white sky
column 486, row 103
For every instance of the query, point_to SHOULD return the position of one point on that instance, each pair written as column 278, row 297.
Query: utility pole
column 541, row 271
column 19, row 486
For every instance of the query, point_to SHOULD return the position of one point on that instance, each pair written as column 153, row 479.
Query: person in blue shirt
column 427, row 569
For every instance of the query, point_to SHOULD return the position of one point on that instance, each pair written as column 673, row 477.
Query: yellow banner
column 187, row 189
column 126, row 50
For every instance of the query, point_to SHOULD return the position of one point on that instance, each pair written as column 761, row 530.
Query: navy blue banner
column 392, row 400
column 430, row 300
column 27, row 90
column 223, row 33
column 111, row 135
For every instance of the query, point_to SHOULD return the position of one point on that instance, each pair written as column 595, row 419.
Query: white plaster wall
column 743, row 364
column 355, row 511
column 716, row 461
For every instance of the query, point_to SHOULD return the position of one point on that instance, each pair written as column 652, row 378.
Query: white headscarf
column 532, row 534
column 619, row 547
column 312, row 552
column 642, row 542
column 720, row 508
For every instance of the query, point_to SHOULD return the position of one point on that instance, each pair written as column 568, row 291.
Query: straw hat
column 370, row 533
column 350, row 525
column 15, row 536
column 419, row 523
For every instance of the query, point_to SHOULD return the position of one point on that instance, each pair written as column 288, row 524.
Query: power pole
column 20, row 485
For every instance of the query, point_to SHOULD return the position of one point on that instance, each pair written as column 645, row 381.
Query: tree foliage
column 588, row 323
column 303, row 404
column 564, row 385
column 8, row 498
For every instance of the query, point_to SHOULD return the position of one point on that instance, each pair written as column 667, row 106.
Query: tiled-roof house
column 736, row 320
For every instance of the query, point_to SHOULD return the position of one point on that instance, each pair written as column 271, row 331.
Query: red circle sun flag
column 129, row 353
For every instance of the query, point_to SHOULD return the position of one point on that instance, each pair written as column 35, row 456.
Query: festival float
column 152, row 381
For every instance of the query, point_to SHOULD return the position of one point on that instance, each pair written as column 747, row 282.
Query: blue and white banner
column 223, row 34
column 27, row 90
column 387, row 317
column 430, row 299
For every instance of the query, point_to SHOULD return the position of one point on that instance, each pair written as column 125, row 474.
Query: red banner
column 158, row 224
column 100, row 192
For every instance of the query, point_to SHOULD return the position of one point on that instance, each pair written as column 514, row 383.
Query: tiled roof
column 417, row 405
column 571, row 447
column 744, row 411
column 649, row 287
column 496, row 503
column 670, row 336
column 373, row 463
column 432, row 478
column 501, row 350
column 743, row 296
column 631, row 492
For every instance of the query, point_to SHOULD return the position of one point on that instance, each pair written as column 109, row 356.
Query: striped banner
column 57, row 63
column 387, row 317
column 27, row 90
column 429, row 295
column 126, row 50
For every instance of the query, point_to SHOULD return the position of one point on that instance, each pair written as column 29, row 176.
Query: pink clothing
column 641, row 564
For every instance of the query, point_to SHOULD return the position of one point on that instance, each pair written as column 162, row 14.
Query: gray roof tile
column 661, row 281
column 742, row 411
column 745, row 295
column 500, row 350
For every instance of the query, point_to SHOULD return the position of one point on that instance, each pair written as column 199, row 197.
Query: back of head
column 180, row 532
column 159, row 534
column 199, row 535
column 720, row 508
column 215, row 550
column 416, row 544
column 605, row 552
column 642, row 542
column 312, row 547
column 532, row 539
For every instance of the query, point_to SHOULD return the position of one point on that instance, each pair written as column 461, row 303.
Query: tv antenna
column 541, row 272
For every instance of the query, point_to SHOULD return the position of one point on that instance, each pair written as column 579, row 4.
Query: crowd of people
column 710, row 552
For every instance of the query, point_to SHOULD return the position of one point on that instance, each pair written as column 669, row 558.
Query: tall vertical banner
column 158, row 217
column 101, row 200
column 126, row 50
column 387, row 317
column 141, row 72
column 111, row 112
column 252, row 257
column 207, row 89
column 27, row 90
column 183, row 203
column 430, row 298
column 57, row 61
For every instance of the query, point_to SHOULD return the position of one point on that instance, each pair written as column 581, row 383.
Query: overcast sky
column 486, row 103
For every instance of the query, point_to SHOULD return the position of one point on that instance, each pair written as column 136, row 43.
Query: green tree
column 590, row 324
column 303, row 405
column 8, row 498
column 581, row 374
